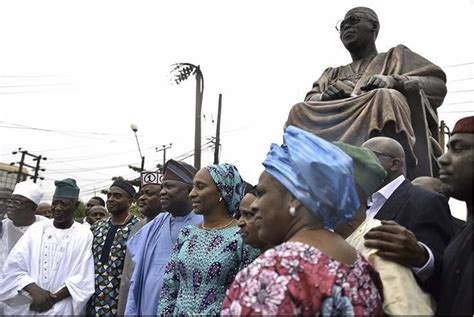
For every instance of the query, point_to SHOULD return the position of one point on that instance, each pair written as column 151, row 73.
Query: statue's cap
column 367, row 11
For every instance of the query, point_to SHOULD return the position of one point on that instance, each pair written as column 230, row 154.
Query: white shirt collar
column 387, row 190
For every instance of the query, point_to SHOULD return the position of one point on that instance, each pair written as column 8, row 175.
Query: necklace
column 217, row 228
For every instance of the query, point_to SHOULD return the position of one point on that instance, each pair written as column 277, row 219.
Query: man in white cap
column 21, row 208
column 50, row 271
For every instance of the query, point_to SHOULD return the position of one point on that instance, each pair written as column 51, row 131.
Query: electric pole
column 182, row 71
column 218, row 131
column 22, row 163
column 164, row 147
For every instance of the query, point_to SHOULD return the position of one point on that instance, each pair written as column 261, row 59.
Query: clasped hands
column 43, row 300
column 340, row 90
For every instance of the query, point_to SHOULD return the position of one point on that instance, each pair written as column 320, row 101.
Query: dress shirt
column 376, row 202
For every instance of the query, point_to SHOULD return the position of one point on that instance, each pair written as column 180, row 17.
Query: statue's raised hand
column 379, row 81
column 338, row 90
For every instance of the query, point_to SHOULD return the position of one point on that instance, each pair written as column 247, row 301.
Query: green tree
column 80, row 212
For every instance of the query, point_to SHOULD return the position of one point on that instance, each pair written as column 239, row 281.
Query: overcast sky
column 86, row 70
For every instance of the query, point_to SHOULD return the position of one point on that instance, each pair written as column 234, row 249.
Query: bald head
column 430, row 183
column 390, row 153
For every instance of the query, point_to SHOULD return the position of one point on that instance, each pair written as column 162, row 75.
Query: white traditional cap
column 29, row 190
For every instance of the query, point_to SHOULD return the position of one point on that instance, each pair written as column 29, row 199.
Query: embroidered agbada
column 53, row 259
column 108, row 247
column 201, row 268
column 296, row 279
column 150, row 249
column 352, row 120
column 11, row 234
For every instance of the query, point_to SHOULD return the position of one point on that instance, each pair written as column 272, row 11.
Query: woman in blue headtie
column 307, row 188
column 207, row 257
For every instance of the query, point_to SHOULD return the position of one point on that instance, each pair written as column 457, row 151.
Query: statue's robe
column 355, row 119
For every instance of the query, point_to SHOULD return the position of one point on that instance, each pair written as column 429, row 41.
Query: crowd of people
column 331, row 228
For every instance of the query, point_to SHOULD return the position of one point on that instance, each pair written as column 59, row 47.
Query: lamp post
column 135, row 129
column 182, row 71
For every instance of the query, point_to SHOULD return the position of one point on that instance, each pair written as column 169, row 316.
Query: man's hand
column 379, row 81
column 396, row 243
column 43, row 300
column 338, row 90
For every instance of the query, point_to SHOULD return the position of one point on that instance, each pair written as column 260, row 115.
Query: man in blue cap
column 109, row 247
column 151, row 247
column 45, row 266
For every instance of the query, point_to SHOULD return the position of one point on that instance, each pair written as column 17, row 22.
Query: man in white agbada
column 50, row 271
column 20, row 208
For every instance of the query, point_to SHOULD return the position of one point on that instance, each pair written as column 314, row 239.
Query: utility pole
column 218, row 131
column 182, row 72
column 443, row 131
column 22, row 164
column 164, row 147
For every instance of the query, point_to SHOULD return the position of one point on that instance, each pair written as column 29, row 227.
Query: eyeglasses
column 16, row 202
column 352, row 20
column 377, row 153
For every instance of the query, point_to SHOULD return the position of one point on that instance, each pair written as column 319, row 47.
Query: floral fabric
column 297, row 279
column 201, row 268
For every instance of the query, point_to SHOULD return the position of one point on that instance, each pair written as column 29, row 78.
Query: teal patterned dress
column 202, row 266
column 109, row 246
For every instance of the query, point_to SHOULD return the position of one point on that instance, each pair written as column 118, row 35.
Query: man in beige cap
column 21, row 208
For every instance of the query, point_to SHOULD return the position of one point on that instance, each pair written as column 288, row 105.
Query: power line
column 457, row 111
column 457, row 65
column 90, row 157
column 461, row 79
column 458, row 103
column 16, row 125
column 458, row 91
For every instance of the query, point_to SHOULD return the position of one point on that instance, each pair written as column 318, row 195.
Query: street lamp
column 135, row 129
column 182, row 71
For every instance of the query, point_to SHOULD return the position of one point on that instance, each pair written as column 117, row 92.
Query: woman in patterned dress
column 207, row 257
column 307, row 188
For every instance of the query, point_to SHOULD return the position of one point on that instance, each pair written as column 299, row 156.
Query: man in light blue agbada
column 150, row 248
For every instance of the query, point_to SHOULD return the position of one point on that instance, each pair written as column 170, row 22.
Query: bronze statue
column 365, row 98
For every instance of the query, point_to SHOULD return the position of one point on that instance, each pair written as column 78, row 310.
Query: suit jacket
column 428, row 216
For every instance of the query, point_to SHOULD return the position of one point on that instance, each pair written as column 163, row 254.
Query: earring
column 292, row 211
column 220, row 199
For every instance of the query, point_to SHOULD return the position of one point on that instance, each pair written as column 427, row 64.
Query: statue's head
column 359, row 28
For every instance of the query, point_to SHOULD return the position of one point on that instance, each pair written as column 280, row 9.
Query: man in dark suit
column 457, row 174
column 416, row 223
